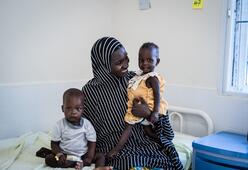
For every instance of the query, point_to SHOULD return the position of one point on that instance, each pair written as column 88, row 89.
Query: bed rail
column 178, row 111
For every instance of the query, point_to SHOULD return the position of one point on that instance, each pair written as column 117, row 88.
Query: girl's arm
column 153, row 82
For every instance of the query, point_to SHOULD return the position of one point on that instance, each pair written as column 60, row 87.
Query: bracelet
column 58, row 155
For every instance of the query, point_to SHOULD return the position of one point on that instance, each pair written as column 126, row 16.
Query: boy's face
column 148, row 60
column 73, row 108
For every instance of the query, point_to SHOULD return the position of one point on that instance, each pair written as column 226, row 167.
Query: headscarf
column 106, row 94
column 101, row 53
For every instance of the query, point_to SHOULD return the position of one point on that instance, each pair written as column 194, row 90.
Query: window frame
column 226, row 81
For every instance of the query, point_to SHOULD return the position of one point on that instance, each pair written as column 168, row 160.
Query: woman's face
column 119, row 62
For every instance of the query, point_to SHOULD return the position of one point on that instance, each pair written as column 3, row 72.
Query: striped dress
column 105, row 106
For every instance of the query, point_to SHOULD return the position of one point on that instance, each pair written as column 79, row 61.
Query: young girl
column 149, row 86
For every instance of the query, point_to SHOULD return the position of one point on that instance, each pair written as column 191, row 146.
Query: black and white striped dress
column 105, row 106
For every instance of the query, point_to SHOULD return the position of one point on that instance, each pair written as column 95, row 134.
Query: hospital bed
column 188, row 124
column 19, row 152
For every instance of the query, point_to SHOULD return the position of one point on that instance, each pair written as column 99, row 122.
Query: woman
column 105, row 106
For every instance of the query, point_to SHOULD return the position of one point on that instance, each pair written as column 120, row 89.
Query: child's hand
column 154, row 117
column 87, row 161
column 79, row 165
column 140, row 108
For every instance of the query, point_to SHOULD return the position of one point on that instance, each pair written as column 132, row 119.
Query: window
column 236, row 48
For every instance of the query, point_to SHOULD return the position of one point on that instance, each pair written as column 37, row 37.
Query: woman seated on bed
column 105, row 106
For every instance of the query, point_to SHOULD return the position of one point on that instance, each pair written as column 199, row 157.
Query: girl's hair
column 73, row 92
column 150, row 46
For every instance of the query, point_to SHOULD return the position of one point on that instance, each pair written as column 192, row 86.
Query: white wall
column 188, row 39
column 50, row 40
column 31, row 107
column 45, row 48
column 191, row 54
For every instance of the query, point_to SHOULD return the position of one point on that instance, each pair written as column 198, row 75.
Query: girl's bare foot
column 104, row 168
column 79, row 165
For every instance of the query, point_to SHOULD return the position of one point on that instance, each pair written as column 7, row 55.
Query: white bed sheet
column 183, row 144
column 19, row 153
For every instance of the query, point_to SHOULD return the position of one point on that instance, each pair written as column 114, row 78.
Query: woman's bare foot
column 79, row 165
column 104, row 168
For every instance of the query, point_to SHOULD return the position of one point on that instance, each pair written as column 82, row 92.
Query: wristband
column 58, row 155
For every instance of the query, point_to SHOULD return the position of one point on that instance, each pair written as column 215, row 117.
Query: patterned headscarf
column 101, row 53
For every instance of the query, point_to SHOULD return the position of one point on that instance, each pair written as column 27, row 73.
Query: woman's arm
column 123, row 139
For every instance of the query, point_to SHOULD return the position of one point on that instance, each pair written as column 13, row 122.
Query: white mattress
column 19, row 153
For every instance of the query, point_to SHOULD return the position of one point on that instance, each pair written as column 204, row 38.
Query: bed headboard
column 190, row 121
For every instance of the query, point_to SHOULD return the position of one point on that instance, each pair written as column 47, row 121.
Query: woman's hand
column 140, row 108
column 112, row 153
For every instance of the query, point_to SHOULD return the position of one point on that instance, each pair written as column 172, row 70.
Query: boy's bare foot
column 79, row 165
column 104, row 168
